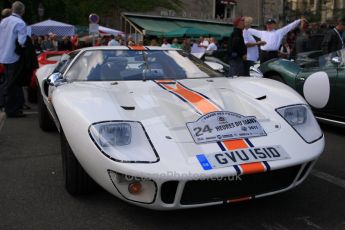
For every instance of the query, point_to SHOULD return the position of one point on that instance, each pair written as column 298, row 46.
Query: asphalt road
column 32, row 194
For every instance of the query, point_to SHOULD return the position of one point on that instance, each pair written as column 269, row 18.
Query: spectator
column 302, row 42
column 175, row 44
column 203, row 42
column 165, row 43
column 75, row 42
column 112, row 41
column 130, row 41
column 12, row 29
column 65, row 44
column 186, row 45
column 272, row 37
column 251, row 44
column 153, row 42
column 5, row 13
column 55, row 42
column 46, row 44
column 285, row 50
column 237, row 50
column 212, row 46
column 333, row 39
column 36, row 42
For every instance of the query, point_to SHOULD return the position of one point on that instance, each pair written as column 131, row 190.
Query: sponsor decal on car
column 224, row 125
column 203, row 105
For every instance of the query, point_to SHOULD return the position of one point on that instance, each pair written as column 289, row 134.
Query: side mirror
column 336, row 60
column 55, row 79
column 316, row 89
column 255, row 72
column 215, row 66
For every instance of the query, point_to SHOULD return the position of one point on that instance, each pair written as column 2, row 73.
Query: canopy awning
column 190, row 32
column 160, row 26
column 51, row 26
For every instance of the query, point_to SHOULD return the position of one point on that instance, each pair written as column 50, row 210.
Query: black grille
column 206, row 191
column 168, row 191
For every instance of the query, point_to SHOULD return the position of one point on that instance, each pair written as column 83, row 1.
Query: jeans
column 13, row 94
column 247, row 65
column 236, row 67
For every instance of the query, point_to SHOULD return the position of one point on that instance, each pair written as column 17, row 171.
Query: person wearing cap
column 272, row 37
column 252, row 45
column 237, row 50
column 333, row 40
column 12, row 30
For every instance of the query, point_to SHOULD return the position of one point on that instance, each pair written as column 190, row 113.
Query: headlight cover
column 114, row 134
column 123, row 141
column 302, row 121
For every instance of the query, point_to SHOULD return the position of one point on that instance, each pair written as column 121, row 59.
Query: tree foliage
column 77, row 12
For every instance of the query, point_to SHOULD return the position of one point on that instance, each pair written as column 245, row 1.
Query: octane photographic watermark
column 171, row 175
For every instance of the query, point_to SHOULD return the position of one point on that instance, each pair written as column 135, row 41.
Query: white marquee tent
column 51, row 26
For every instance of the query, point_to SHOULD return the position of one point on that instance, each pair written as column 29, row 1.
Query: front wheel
column 44, row 120
column 77, row 181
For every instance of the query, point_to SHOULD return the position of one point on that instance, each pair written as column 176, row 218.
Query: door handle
column 301, row 79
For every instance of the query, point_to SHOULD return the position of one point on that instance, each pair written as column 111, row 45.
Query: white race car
column 160, row 129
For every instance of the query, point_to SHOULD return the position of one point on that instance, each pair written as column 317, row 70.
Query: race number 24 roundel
column 224, row 125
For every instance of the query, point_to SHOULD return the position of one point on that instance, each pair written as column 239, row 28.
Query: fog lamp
column 135, row 188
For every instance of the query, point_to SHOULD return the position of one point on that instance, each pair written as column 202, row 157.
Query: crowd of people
column 248, row 45
column 245, row 47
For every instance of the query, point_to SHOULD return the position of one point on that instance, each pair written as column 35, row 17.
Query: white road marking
column 307, row 221
column 2, row 119
column 329, row 178
column 274, row 226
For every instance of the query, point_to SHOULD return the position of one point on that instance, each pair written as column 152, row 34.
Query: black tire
column 77, row 181
column 277, row 78
column 32, row 95
column 45, row 122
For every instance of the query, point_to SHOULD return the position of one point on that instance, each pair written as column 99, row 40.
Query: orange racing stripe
column 204, row 106
column 137, row 47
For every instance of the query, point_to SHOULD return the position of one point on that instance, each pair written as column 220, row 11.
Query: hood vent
column 128, row 107
column 261, row 98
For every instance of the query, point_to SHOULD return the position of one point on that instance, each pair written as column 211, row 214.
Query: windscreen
column 127, row 65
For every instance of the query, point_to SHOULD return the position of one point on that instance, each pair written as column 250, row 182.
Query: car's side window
column 84, row 65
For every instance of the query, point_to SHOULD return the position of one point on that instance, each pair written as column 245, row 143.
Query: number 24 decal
column 199, row 130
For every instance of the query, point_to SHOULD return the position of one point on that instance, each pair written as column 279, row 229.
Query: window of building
column 225, row 9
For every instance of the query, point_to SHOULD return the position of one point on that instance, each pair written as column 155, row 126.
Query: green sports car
column 296, row 74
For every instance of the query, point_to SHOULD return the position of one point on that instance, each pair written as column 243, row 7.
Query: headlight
column 114, row 134
column 302, row 121
column 124, row 141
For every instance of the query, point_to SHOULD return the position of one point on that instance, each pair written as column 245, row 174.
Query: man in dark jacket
column 333, row 39
column 237, row 50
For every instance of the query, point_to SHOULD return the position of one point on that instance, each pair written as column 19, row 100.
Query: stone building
column 225, row 10
column 323, row 10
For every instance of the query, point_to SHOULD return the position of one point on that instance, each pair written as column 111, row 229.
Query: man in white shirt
column 113, row 42
column 252, row 45
column 12, row 29
column 203, row 43
column 212, row 46
column 165, row 43
column 272, row 37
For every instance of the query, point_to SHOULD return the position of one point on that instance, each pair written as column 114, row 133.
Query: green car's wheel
column 77, row 181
